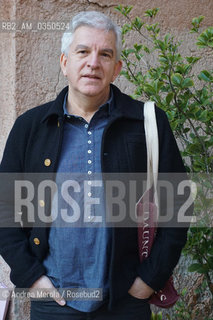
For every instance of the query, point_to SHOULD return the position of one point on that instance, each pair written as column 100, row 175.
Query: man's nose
column 93, row 61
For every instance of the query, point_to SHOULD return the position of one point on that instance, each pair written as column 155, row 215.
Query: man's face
column 91, row 63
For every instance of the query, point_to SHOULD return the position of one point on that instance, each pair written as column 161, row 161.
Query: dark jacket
column 37, row 136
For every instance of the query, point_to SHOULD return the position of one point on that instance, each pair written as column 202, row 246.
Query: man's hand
column 140, row 289
column 44, row 283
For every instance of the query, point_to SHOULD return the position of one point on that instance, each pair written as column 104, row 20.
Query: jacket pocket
column 136, row 150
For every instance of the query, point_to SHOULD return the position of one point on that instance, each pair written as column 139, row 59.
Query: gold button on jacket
column 41, row 203
column 47, row 162
column 36, row 241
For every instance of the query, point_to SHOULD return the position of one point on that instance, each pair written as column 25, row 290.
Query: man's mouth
column 91, row 76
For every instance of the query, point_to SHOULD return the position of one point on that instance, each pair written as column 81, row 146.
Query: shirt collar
column 121, row 106
column 108, row 105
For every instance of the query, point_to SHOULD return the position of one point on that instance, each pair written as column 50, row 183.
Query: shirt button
column 89, row 172
column 36, row 241
column 47, row 162
column 41, row 203
column 86, row 126
column 89, row 133
column 89, row 161
column 89, row 141
column 89, row 194
column 89, row 183
column 89, row 151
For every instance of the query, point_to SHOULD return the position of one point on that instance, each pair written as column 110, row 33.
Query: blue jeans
column 129, row 308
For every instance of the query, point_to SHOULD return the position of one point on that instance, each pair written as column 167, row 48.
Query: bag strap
column 152, row 145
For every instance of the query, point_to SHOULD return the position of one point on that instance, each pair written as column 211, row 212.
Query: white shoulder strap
column 152, row 145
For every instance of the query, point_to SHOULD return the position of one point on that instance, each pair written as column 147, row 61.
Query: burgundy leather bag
column 147, row 207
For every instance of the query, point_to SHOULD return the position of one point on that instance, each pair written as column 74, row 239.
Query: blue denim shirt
column 79, row 256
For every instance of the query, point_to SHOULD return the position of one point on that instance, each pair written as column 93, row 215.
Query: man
column 91, row 127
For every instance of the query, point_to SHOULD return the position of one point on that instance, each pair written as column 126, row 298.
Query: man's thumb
column 59, row 299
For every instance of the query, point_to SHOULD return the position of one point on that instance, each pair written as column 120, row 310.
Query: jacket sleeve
column 171, row 237
column 25, row 267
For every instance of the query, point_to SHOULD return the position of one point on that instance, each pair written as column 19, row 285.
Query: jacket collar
column 127, row 107
column 124, row 106
column 56, row 108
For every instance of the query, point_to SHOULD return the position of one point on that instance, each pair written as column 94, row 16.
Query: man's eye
column 82, row 52
column 107, row 55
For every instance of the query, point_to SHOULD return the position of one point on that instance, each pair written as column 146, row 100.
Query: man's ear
column 63, row 64
column 117, row 70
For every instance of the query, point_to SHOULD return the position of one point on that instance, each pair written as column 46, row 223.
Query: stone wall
column 30, row 72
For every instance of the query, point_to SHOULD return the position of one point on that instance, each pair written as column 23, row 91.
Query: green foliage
column 196, row 23
column 170, row 82
column 200, row 247
column 151, row 13
column 206, row 38
column 181, row 311
column 156, row 316
column 187, row 98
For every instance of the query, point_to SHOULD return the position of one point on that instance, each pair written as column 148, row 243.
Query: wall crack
column 101, row 5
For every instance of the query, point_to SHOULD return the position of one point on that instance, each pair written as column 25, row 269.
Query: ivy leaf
column 169, row 97
column 187, row 83
column 151, row 12
column 197, row 267
column 206, row 38
column 137, row 47
column 203, row 116
column 146, row 49
column 205, row 75
column 126, row 75
column 149, row 89
column 192, row 60
column 160, row 44
column 137, row 23
column 177, row 79
column 126, row 28
column 185, row 130
column 196, row 23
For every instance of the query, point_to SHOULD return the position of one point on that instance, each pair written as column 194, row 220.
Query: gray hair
column 95, row 20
